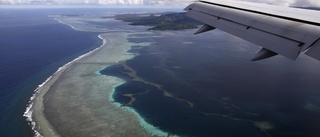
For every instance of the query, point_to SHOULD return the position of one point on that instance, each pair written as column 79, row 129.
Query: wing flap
column 282, row 34
column 204, row 28
column 314, row 51
column 278, row 44
column 263, row 54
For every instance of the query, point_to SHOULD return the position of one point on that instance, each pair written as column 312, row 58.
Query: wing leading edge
column 279, row 30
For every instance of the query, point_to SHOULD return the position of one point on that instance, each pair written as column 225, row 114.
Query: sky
column 300, row 3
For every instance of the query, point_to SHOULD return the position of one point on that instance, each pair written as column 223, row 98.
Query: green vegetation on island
column 164, row 21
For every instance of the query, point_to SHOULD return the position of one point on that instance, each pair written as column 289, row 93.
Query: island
column 161, row 21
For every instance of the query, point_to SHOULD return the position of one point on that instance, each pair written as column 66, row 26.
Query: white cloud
column 311, row 3
column 8, row 1
column 168, row 2
column 299, row 3
column 121, row 2
column 304, row 3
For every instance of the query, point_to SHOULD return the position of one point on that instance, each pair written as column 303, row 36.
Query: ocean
column 189, row 85
column 209, row 87
column 33, row 46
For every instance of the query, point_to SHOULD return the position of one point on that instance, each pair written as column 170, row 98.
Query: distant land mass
column 169, row 21
column 163, row 21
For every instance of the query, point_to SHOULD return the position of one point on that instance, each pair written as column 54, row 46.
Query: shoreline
column 150, row 129
column 40, row 119
column 36, row 100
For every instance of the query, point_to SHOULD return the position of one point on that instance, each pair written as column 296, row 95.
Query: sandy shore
column 74, row 102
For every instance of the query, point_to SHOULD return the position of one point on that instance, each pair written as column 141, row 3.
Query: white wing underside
column 279, row 30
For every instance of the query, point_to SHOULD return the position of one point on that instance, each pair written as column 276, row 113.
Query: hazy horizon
column 297, row 3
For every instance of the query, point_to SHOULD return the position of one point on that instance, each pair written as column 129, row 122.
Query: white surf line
column 29, row 108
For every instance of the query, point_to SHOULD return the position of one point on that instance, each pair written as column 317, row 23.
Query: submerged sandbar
column 74, row 102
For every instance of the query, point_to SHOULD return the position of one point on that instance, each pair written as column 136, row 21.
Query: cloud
column 306, row 3
column 168, row 2
column 299, row 3
column 121, row 2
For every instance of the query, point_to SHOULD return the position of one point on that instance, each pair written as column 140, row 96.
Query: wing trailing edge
column 279, row 30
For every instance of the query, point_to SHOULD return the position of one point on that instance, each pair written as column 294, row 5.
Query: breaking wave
column 29, row 109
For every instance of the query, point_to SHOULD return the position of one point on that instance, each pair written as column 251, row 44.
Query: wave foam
column 29, row 109
column 60, row 21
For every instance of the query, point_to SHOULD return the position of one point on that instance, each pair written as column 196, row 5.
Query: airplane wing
column 279, row 30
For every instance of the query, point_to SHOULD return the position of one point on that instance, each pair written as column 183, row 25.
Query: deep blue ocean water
column 32, row 47
column 230, row 93
column 215, row 76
